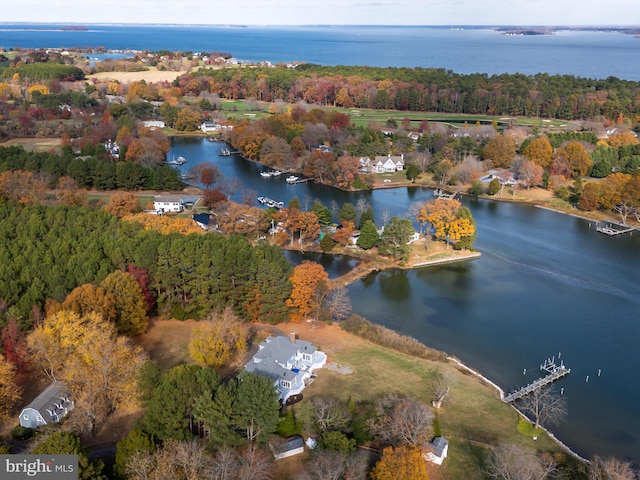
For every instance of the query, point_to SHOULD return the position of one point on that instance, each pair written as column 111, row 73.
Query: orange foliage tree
column 343, row 234
column 123, row 204
column 164, row 224
column 402, row 463
column 25, row 187
column 310, row 284
column 448, row 219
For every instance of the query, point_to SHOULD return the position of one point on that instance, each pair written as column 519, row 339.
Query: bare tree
column 422, row 160
column 254, row 463
column 325, row 465
column 231, row 185
column 440, row 392
column 385, row 215
column 224, row 464
column 545, row 406
column 330, row 414
column 512, row 462
column 611, row 469
column 338, row 304
column 401, row 421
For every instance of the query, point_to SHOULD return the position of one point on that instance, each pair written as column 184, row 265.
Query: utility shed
column 48, row 407
column 287, row 447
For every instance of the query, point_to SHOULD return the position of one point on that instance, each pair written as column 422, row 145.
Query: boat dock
column 440, row 193
column 555, row 372
column 612, row 228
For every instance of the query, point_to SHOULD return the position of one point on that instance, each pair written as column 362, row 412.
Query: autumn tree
column 575, row 155
column 10, row 392
column 86, row 353
column 219, row 339
column 400, row 463
column 309, row 280
column 590, row 198
column 123, row 204
column 24, row 187
column 539, row 151
column 14, row 343
column 69, row 193
column 130, row 305
column 500, row 150
column 338, row 304
column 448, row 219
column 87, row 299
column 529, row 173
column 188, row 120
column 343, row 234
column 621, row 193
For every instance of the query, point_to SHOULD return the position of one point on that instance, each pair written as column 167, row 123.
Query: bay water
column 547, row 284
column 591, row 54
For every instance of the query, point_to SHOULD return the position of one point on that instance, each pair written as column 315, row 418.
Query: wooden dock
column 440, row 193
column 611, row 228
column 555, row 372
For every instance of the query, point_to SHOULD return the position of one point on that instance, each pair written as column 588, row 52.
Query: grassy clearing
column 473, row 419
column 35, row 144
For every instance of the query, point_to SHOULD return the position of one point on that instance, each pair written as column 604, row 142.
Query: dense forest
column 48, row 251
column 433, row 90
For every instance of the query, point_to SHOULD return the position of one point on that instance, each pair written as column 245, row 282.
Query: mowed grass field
column 473, row 418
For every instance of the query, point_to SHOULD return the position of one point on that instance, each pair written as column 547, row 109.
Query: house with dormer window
column 290, row 362
column 48, row 407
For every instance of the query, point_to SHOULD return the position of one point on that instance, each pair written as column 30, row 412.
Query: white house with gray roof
column 289, row 362
column 48, row 407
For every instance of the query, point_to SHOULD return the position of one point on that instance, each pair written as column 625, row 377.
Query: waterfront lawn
column 473, row 419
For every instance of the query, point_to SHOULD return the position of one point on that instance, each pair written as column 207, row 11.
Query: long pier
column 555, row 372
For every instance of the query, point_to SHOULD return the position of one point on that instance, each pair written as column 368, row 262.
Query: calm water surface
column 546, row 284
column 463, row 50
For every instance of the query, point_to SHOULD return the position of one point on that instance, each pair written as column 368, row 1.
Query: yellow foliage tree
column 219, row 339
column 9, row 390
column 100, row 367
column 87, row 299
column 620, row 139
column 500, row 150
column 449, row 219
column 402, row 463
column 43, row 89
column 164, row 224
column 539, row 151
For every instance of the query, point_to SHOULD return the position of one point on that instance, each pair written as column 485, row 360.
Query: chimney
column 292, row 337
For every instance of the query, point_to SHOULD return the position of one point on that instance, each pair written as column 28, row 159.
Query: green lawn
column 474, row 418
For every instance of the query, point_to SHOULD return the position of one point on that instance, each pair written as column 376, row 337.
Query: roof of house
column 168, row 198
column 53, row 394
column 288, row 444
column 202, row 218
column 438, row 445
column 274, row 353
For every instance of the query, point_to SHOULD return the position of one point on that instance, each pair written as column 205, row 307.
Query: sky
column 326, row 12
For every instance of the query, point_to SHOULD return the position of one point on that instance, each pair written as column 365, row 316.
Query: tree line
column 49, row 251
column 432, row 90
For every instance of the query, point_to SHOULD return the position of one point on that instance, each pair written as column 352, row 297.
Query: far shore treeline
column 433, row 90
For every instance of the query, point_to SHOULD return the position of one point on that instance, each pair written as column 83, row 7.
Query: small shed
column 287, row 447
column 438, row 450
column 48, row 407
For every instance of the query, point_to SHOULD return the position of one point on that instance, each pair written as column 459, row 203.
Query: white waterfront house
column 290, row 362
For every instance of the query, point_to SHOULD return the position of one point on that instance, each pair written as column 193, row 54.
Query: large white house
column 289, row 362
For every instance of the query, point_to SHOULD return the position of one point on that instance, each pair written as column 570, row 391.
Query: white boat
column 292, row 179
column 177, row 161
column 265, row 174
column 276, row 173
